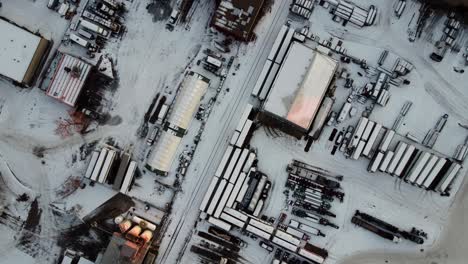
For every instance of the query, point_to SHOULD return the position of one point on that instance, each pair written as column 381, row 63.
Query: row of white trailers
column 355, row 14
column 101, row 163
column 302, row 8
column 415, row 166
column 290, row 238
column 272, row 65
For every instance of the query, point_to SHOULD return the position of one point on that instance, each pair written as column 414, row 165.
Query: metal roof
column 68, row 80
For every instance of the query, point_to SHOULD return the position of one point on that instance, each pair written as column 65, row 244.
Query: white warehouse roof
column 192, row 90
column 300, row 85
column 20, row 51
column 68, row 80
column 163, row 154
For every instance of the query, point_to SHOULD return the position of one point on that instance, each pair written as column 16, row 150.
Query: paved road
column 184, row 218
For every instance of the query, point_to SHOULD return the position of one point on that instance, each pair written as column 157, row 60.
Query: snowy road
column 220, row 125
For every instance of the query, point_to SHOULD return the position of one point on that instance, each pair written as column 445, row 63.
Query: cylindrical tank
column 119, row 219
column 147, row 235
column 135, row 231
column 125, row 225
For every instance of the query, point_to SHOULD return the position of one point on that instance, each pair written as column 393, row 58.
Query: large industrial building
column 21, row 53
column 190, row 94
column 237, row 17
column 299, row 88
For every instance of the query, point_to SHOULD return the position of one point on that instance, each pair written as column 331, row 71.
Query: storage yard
column 169, row 131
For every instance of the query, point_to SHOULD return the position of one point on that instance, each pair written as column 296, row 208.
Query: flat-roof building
column 237, row 17
column 300, row 86
column 21, row 53
column 68, row 79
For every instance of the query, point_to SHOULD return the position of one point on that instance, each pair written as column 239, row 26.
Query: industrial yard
column 179, row 131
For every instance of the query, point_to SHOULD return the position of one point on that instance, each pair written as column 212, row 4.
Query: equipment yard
column 229, row 131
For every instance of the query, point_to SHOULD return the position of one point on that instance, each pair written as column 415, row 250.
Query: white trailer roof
column 300, row 85
column 17, row 49
column 66, row 83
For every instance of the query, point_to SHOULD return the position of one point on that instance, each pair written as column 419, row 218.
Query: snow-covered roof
column 68, row 80
column 300, row 85
column 17, row 49
column 192, row 90
column 163, row 154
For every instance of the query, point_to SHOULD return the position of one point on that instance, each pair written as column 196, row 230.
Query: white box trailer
column 258, row 208
column 427, row 169
column 309, row 229
column 224, row 161
column 284, row 46
column 368, row 130
column 399, row 151
column 100, row 162
column 294, row 232
column 358, row 151
column 244, row 133
column 448, row 178
column 311, row 256
column 236, row 190
column 79, row 40
column 244, row 117
column 361, row 126
column 234, row 138
column 375, row 162
column 257, row 194
column 107, row 166
column 387, row 140
column 269, row 81
column 386, row 161
column 239, row 166
column 250, row 160
column 280, row 242
column 233, row 221
column 223, row 200
column 93, row 27
column 219, row 223
column 277, row 44
column 344, row 112
column 243, row 189
column 261, row 225
column 128, row 177
column 287, row 237
column 92, row 164
column 209, row 193
column 418, row 167
column 258, row 232
column 434, row 172
column 370, row 143
column 214, row 202
column 236, row 214
column 261, row 78
column 232, row 163
column 404, row 160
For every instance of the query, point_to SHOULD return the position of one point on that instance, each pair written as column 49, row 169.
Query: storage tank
column 125, row 226
column 135, row 231
column 147, row 235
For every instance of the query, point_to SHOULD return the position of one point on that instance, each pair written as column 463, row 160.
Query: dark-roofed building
column 237, row 17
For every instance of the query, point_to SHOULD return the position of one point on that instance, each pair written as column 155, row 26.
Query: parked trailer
column 284, row 46
column 434, row 172
column 244, row 188
column 99, row 164
column 269, row 81
column 386, row 161
column 232, row 163
column 370, row 143
column 375, row 162
column 258, row 232
column 128, row 177
column 368, row 130
column 258, row 208
column 107, row 166
column 344, row 112
column 311, row 256
column 261, row 225
column 385, row 143
column 236, row 190
column 287, row 237
column 223, row 200
column 357, row 152
column 119, row 178
column 361, row 126
column 294, row 232
column 234, row 138
column 399, row 151
column 244, row 133
column 224, row 161
column 427, row 170
column 277, row 44
column 440, row 176
column 93, row 27
column 418, row 167
column 219, row 223
column 306, row 228
column 216, row 197
column 250, row 160
column 404, row 161
column 375, row 229
column 208, row 194
column 239, row 165
column 236, row 214
column 400, row 8
column 280, row 242
column 79, row 40
column 233, row 221
column 244, row 117
column 262, row 78
column 257, row 194
column 448, row 178
column 92, row 163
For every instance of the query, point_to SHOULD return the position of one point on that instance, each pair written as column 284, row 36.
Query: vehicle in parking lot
column 266, row 246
